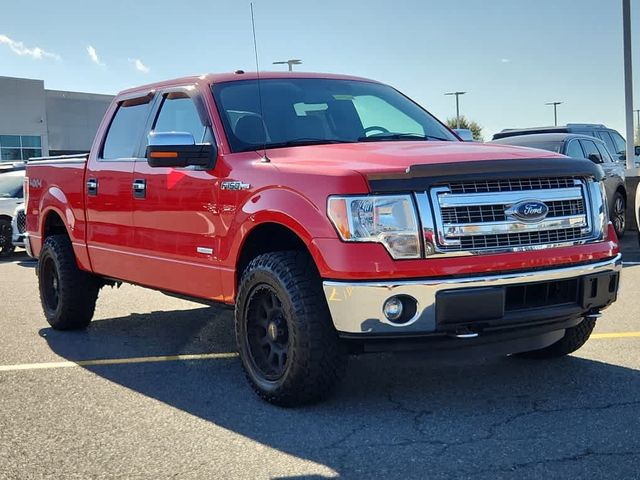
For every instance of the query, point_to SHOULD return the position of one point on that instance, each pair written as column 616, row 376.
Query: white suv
column 11, row 195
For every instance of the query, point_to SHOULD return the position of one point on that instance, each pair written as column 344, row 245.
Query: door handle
column 140, row 188
column 92, row 186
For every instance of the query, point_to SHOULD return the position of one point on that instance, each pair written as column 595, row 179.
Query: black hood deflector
column 422, row 177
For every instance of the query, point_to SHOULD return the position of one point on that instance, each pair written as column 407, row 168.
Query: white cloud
column 93, row 55
column 141, row 67
column 19, row 48
column 505, row 60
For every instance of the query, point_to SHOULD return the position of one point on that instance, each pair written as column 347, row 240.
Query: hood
column 372, row 158
column 8, row 205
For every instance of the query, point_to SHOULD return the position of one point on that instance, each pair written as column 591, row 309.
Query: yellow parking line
column 616, row 335
column 116, row 361
column 195, row 356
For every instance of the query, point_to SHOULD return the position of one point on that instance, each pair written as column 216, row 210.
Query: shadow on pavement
column 484, row 417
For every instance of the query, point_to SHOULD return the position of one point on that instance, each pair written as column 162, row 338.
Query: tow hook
column 465, row 333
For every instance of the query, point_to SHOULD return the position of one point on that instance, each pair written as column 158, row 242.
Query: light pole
column 457, row 94
column 555, row 111
column 290, row 63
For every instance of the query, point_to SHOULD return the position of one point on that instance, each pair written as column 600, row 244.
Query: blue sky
column 510, row 56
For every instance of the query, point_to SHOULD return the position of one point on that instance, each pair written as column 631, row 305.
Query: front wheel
column 574, row 338
column 68, row 294
column 6, row 246
column 619, row 214
column 290, row 351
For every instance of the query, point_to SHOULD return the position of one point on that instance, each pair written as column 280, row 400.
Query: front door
column 175, row 210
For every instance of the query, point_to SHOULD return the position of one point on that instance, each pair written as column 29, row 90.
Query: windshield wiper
column 400, row 136
column 306, row 141
column 296, row 142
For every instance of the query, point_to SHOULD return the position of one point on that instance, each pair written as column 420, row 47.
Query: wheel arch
column 269, row 236
column 53, row 224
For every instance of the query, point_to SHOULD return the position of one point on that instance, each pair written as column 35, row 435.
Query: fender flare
column 54, row 200
column 283, row 207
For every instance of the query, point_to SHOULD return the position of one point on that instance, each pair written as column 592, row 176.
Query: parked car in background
column 11, row 195
column 465, row 134
column 19, row 226
column 584, row 146
column 614, row 141
column 12, row 166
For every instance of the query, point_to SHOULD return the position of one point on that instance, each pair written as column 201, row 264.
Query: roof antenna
column 255, row 51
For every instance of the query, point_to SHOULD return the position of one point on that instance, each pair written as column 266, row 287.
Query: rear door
column 175, row 211
column 108, row 189
column 608, row 140
column 595, row 155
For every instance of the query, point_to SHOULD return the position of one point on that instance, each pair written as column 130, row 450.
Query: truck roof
column 239, row 75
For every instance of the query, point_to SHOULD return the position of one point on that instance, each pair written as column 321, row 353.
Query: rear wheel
column 68, row 294
column 619, row 214
column 289, row 348
column 6, row 247
column 574, row 338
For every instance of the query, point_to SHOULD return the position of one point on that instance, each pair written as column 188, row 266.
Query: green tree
column 474, row 126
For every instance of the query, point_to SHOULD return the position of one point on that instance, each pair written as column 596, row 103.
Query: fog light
column 392, row 308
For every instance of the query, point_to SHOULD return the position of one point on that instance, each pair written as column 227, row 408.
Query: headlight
column 387, row 219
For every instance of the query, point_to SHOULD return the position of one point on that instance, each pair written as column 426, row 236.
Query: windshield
column 305, row 111
column 11, row 186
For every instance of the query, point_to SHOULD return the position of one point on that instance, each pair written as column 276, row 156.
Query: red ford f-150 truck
column 335, row 214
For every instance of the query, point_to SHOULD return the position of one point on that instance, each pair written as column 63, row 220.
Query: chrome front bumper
column 356, row 307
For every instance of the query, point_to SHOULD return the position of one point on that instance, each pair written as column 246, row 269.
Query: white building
column 35, row 121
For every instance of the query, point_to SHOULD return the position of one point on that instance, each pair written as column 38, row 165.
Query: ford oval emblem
column 529, row 211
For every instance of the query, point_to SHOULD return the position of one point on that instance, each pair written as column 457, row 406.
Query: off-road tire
column 71, row 303
column 618, row 214
column 574, row 338
column 315, row 359
column 6, row 246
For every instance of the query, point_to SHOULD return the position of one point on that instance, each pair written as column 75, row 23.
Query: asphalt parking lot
column 114, row 401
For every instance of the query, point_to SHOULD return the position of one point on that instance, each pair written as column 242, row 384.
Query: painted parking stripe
column 631, row 263
column 615, row 335
column 117, row 361
column 196, row 356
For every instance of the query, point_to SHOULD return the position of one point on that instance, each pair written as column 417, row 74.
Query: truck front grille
column 510, row 185
column 21, row 221
column 478, row 215
column 496, row 213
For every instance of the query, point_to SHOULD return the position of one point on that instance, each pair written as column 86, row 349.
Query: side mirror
column 465, row 134
column 178, row 149
column 595, row 157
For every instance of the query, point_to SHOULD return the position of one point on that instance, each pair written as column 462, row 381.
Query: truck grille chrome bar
column 480, row 216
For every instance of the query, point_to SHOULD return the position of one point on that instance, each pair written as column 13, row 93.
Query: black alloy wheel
column 6, row 246
column 619, row 214
column 267, row 332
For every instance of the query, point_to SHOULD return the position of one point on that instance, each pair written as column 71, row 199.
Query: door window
column 574, row 150
column 606, row 138
column 125, row 131
column 590, row 151
column 604, row 153
column 620, row 144
column 178, row 113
